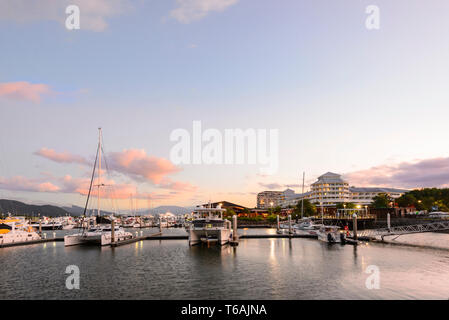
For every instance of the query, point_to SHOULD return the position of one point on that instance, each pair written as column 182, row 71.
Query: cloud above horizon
column 424, row 173
column 187, row 11
column 140, row 166
column 61, row 157
column 132, row 163
column 278, row 186
column 93, row 14
column 24, row 91
column 68, row 184
column 19, row 183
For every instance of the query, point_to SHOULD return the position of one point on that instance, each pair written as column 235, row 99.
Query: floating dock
column 15, row 244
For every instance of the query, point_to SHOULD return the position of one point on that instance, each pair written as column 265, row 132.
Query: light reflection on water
column 256, row 269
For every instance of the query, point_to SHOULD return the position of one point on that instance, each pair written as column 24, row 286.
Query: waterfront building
column 272, row 199
column 329, row 190
column 238, row 209
column 364, row 196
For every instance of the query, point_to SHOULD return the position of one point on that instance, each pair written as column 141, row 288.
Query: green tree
column 407, row 200
column 229, row 212
column 309, row 209
column 382, row 200
column 441, row 206
column 277, row 210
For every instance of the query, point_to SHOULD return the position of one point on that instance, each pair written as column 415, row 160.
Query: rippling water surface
column 256, row 269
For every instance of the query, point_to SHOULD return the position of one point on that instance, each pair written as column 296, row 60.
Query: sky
column 370, row 104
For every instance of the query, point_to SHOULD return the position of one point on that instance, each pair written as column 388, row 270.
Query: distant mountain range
column 19, row 208
column 164, row 209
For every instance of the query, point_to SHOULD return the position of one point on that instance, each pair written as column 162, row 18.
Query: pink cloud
column 20, row 183
column 133, row 163
column 137, row 164
column 418, row 174
column 61, row 157
column 178, row 186
column 24, row 91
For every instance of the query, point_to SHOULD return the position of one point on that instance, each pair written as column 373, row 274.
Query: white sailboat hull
column 102, row 239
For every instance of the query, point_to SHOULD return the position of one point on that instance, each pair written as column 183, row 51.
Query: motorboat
column 16, row 230
column 48, row 224
column 208, row 226
column 306, row 227
column 330, row 234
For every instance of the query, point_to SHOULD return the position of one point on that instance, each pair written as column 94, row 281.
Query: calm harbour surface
column 256, row 269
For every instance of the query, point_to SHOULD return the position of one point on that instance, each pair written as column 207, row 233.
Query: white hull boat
column 15, row 230
column 330, row 234
column 97, row 236
column 209, row 227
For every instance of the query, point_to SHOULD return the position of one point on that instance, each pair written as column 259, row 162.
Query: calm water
column 256, row 269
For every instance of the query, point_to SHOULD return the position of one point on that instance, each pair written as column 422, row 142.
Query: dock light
column 358, row 206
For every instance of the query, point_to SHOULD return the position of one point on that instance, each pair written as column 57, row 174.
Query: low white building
column 331, row 189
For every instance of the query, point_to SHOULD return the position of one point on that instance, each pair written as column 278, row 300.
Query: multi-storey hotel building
column 329, row 190
column 272, row 199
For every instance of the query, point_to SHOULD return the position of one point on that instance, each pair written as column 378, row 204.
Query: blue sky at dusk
column 369, row 104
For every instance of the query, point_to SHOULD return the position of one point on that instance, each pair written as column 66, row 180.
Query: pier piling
column 235, row 237
column 277, row 223
column 354, row 226
column 290, row 225
column 388, row 222
column 112, row 231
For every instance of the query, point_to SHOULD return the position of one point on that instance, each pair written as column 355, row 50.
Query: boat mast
column 99, row 169
column 302, row 198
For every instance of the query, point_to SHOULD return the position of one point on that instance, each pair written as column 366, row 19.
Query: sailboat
column 101, row 234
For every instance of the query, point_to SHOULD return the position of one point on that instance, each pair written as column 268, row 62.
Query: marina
column 268, row 264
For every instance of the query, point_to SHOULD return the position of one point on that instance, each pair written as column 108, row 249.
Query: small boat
column 208, row 226
column 330, row 234
column 306, row 227
column 48, row 224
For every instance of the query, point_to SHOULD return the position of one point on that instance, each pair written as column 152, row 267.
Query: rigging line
column 91, row 181
column 114, row 204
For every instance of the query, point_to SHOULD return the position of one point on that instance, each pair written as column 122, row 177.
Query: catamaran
column 101, row 234
column 208, row 226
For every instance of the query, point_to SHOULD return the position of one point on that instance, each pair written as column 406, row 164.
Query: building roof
column 224, row 205
column 329, row 177
column 377, row 189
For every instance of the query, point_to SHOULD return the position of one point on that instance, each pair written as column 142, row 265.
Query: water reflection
column 256, row 269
